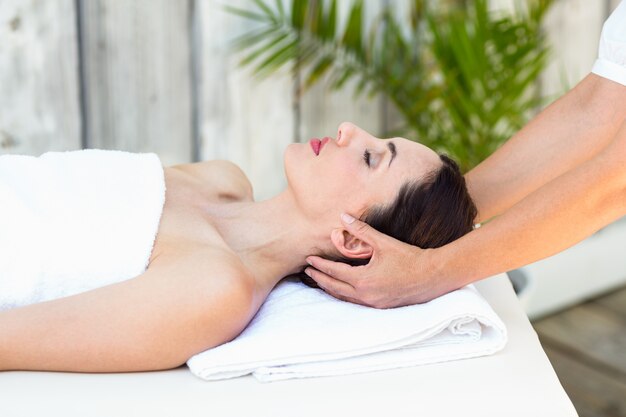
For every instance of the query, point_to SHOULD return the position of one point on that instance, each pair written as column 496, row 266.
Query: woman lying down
column 216, row 254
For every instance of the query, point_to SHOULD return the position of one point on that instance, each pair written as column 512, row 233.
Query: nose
column 347, row 132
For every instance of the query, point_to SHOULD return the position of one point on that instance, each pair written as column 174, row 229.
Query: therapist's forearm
column 560, row 214
column 567, row 133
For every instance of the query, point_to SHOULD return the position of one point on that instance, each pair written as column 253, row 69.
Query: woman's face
column 352, row 172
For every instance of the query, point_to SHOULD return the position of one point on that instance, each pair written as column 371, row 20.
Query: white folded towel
column 303, row 332
column 74, row 221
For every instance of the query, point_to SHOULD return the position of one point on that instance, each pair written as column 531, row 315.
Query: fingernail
column 307, row 271
column 309, row 261
column 347, row 218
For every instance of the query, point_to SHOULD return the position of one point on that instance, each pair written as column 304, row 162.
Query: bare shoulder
column 226, row 175
column 217, row 285
column 214, row 267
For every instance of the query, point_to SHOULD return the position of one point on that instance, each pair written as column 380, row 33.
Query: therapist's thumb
column 361, row 230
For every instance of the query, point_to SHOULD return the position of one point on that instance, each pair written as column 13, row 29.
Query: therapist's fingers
column 347, row 299
column 330, row 284
column 363, row 231
column 338, row 270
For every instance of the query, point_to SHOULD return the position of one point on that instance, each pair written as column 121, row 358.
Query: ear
column 349, row 245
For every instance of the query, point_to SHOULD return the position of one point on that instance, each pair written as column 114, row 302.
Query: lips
column 317, row 144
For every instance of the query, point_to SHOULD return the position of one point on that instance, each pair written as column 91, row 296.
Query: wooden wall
column 39, row 91
column 160, row 76
column 136, row 67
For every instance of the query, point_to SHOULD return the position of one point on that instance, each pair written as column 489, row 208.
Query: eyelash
column 366, row 157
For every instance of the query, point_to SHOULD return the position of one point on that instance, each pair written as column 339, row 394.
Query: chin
column 294, row 164
column 288, row 156
column 298, row 171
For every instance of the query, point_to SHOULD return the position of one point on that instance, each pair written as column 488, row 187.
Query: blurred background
column 196, row 80
column 164, row 76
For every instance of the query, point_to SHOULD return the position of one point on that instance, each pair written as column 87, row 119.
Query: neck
column 271, row 237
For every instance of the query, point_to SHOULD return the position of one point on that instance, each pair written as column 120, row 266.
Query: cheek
column 326, row 186
column 343, row 186
column 340, row 177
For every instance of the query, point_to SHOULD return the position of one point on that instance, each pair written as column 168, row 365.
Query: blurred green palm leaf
column 461, row 76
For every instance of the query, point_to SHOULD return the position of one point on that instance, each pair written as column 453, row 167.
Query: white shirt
column 611, row 62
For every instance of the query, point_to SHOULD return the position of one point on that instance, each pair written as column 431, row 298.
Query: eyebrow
column 392, row 148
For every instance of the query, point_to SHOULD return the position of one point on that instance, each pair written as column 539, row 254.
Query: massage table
column 517, row 381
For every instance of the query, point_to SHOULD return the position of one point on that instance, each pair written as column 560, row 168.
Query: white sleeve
column 611, row 62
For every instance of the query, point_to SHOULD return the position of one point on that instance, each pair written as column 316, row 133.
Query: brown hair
column 428, row 213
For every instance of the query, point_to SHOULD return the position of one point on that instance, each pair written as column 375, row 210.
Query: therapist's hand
column 398, row 274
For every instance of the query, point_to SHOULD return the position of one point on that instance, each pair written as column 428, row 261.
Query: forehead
column 413, row 159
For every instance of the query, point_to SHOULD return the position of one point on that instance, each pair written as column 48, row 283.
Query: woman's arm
column 567, row 133
column 154, row 321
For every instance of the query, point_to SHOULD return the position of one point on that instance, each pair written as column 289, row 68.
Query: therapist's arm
column 570, row 131
column 555, row 217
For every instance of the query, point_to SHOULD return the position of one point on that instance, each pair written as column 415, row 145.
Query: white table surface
column 517, row 381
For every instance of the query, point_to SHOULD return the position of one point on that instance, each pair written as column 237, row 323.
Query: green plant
column 462, row 77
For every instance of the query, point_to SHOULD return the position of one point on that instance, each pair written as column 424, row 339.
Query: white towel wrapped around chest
column 74, row 221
